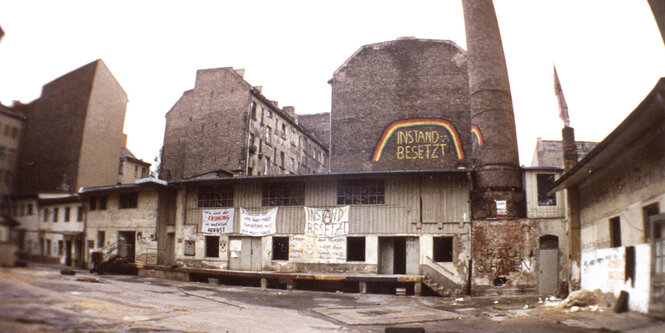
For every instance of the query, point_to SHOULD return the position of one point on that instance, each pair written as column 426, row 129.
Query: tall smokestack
column 497, row 189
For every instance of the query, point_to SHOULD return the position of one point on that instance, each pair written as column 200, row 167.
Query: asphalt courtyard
column 38, row 298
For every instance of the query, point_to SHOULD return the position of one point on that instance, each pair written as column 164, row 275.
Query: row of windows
column 355, row 248
column 349, row 192
column 126, row 200
column 10, row 131
column 144, row 170
column 53, row 214
column 647, row 212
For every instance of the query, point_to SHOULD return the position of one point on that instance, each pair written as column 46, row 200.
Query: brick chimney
column 497, row 191
column 124, row 140
column 569, row 148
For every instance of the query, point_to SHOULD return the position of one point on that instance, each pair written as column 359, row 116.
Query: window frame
column 281, row 255
column 366, row 191
column 544, row 199
column 215, row 196
column 351, row 256
column 283, row 194
column 209, row 240
column 128, row 200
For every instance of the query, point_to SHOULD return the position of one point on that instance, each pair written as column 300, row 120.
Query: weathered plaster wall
column 142, row 219
column 636, row 179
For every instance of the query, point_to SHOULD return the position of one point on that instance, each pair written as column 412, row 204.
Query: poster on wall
column 327, row 222
column 258, row 224
column 304, row 248
column 217, row 221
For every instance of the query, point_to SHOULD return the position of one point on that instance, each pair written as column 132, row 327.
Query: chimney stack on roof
column 569, row 148
column 240, row 72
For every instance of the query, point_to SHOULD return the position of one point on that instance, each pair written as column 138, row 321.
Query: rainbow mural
column 418, row 122
column 476, row 134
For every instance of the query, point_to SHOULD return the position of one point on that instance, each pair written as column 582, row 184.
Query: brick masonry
column 404, row 80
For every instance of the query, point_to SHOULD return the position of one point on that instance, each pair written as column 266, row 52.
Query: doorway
column 68, row 252
column 398, row 255
column 170, row 248
column 657, row 290
column 245, row 253
column 126, row 245
column 548, row 265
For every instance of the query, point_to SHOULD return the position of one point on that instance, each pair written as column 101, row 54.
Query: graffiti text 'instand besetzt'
column 419, row 145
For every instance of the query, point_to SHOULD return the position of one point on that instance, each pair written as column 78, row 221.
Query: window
column 544, row 182
column 303, row 158
column 283, row 194
column 269, row 114
column 360, row 192
column 92, row 205
column 55, row 214
column 121, row 167
column 101, row 204
column 266, row 166
column 355, row 249
column 68, row 212
column 60, row 248
column 79, row 214
column 144, row 172
column 615, row 232
column 30, row 209
column 136, row 171
column 101, row 238
column 46, row 214
column 253, row 110
column 128, row 200
column 215, row 196
column 280, row 248
column 647, row 212
column 268, row 134
column 91, row 244
column 443, row 249
column 48, row 247
column 281, row 159
column 212, row 246
column 283, row 130
column 14, row 132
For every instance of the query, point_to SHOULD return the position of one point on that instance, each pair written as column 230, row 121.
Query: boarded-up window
column 101, row 238
column 443, row 249
column 360, row 192
column 615, row 232
column 355, row 249
column 212, row 246
column 647, row 212
column 544, row 182
column 280, row 248
column 283, row 194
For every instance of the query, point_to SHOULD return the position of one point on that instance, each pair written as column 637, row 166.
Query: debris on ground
column 67, row 272
column 89, row 279
column 583, row 298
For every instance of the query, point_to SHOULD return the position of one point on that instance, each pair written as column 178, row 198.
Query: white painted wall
column 604, row 269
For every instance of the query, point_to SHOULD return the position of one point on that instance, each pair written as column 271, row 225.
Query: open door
column 399, row 255
column 126, row 245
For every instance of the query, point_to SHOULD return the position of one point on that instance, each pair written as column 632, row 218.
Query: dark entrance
column 68, row 252
column 395, row 254
column 126, row 244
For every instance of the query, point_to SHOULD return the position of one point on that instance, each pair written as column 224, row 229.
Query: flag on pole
column 563, row 107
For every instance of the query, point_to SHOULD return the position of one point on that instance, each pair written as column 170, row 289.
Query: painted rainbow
column 418, row 122
column 475, row 133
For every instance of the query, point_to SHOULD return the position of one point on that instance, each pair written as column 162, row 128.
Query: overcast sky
column 609, row 53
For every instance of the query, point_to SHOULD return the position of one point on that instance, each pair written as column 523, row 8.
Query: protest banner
column 327, row 222
column 217, row 221
column 258, row 224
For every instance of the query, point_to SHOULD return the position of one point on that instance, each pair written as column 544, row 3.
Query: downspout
column 469, row 281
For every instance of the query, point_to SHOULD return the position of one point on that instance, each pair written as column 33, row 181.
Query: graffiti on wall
column 502, row 261
column 419, row 139
column 476, row 140
column 304, row 248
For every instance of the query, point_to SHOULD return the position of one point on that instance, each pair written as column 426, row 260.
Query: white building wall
column 604, row 269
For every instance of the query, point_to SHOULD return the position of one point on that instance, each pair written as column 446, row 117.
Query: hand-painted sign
column 258, row 224
column 217, row 221
column 327, row 222
column 304, row 248
column 419, row 139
